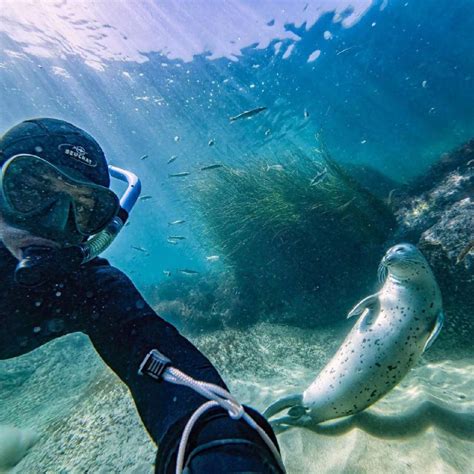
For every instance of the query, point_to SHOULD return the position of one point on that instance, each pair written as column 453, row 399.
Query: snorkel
column 40, row 264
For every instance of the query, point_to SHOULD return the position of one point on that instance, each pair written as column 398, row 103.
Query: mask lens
column 30, row 185
column 26, row 192
column 94, row 208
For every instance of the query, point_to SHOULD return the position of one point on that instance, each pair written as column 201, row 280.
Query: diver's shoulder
column 100, row 271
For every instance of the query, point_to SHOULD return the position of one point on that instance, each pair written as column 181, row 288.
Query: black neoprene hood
column 60, row 143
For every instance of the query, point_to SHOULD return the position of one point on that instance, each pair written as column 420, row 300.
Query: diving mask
column 36, row 196
column 31, row 189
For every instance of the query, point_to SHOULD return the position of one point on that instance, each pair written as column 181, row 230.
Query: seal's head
column 403, row 262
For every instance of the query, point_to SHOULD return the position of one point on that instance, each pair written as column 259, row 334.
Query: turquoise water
column 386, row 84
column 391, row 87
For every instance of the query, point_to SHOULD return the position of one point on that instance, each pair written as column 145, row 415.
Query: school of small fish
column 174, row 239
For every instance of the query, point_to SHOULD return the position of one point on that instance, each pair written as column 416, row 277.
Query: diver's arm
column 128, row 330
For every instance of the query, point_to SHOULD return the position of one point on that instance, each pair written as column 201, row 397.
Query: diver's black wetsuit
column 101, row 301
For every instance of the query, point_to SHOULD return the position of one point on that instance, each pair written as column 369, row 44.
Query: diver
column 57, row 214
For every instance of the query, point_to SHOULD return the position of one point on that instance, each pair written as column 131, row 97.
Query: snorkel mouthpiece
column 40, row 264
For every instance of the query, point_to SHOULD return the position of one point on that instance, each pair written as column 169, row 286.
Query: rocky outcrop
column 437, row 213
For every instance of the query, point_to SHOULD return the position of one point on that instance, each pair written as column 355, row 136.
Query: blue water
column 381, row 83
column 390, row 86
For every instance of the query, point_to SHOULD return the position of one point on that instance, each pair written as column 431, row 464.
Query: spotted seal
column 395, row 326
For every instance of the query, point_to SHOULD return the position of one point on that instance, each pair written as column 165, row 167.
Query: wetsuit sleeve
column 125, row 329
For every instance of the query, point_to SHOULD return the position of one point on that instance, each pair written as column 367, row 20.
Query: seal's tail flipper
column 282, row 404
column 283, row 423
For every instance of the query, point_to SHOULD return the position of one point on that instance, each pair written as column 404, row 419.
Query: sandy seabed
column 86, row 422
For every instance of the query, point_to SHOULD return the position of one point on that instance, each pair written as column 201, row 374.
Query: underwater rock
column 82, row 412
column 438, row 215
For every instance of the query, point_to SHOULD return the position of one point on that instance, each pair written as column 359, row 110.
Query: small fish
column 146, row 198
column 391, row 196
column 211, row 142
column 176, row 237
column 210, row 167
column 144, row 157
column 172, row 159
column 187, row 271
column 172, row 242
column 140, row 249
column 177, row 138
column 167, row 273
column 179, row 175
column 179, row 221
column 275, row 168
column 424, row 84
column 305, row 113
column 267, row 132
column 344, row 206
column 464, row 252
column 247, row 114
column 212, row 258
column 316, row 179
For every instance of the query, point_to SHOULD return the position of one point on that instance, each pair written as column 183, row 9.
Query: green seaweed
column 287, row 240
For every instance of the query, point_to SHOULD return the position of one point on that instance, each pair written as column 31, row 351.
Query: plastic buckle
column 154, row 364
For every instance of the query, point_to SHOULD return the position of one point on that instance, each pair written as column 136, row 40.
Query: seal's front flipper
column 435, row 331
column 371, row 303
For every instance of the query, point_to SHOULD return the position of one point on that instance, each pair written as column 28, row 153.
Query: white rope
column 217, row 397
column 187, row 432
